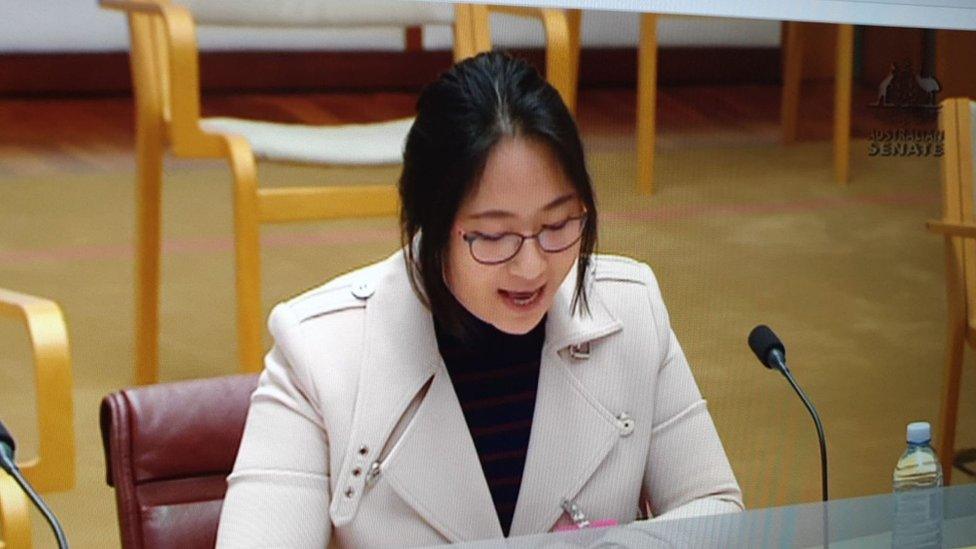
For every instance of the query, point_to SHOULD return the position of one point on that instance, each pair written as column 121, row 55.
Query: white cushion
column 349, row 144
column 319, row 13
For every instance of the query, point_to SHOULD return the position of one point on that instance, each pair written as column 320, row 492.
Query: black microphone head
column 6, row 438
column 762, row 341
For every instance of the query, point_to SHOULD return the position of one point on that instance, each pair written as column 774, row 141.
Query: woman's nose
column 530, row 261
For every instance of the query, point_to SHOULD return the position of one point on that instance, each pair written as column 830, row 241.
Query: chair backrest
column 168, row 450
column 318, row 13
column 157, row 85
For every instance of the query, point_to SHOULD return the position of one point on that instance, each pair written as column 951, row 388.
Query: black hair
column 460, row 118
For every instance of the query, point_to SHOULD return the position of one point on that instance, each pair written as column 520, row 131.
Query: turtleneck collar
column 487, row 340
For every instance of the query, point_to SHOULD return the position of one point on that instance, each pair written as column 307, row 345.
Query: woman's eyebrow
column 501, row 214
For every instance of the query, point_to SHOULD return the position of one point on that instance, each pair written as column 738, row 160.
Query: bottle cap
column 919, row 432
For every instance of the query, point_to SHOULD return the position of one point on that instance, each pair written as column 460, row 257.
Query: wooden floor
column 40, row 136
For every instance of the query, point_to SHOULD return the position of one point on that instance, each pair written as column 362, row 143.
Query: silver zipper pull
column 372, row 473
column 574, row 512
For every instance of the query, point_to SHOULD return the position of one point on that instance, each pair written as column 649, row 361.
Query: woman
column 494, row 377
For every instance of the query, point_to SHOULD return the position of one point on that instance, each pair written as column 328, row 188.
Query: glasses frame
column 471, row 236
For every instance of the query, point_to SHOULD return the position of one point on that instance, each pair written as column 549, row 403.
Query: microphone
column 7, row 448
column 771, row 352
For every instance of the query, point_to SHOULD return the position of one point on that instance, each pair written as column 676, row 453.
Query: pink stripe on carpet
column 196, row 245
column 677, row 213
column 205, row 245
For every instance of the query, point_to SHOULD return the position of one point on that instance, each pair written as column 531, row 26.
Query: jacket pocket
column 375, row 469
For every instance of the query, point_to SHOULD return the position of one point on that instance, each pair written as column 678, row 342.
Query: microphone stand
column 7, row 463
column 39, row 503
column 781, row 366
column 816, row 420
column 772, row 354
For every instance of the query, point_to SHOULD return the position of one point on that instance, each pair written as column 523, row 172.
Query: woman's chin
column 518, row 326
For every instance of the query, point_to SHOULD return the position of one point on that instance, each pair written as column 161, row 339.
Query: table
column 864, row 522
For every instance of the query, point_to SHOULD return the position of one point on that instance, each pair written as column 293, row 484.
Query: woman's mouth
column 522, row 300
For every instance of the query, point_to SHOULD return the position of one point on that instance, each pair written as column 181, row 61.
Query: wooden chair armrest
column 14, row 514
column 54, row 467
column 952, row 228
column 516, row 10
column 533, row 13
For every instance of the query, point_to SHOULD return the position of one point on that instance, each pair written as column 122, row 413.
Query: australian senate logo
column 911, row 98
column 906, row 143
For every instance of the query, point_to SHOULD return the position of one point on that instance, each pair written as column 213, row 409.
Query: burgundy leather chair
column 168, row 451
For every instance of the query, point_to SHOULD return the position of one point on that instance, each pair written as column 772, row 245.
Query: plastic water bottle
column 918, row 494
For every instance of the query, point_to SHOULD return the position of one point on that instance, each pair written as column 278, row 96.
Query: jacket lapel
column 436, row 470
column 572, row 432
column 433, row 466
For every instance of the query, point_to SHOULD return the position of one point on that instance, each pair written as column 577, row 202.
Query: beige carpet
column 738, row 234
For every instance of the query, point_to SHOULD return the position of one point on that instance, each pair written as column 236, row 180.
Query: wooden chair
column 843, row 84
column 958, row 225
column 792, row 76
column 166, row 82
column 562, row 31
column 54, row 467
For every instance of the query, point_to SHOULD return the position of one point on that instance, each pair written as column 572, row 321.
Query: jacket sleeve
column 687, row 472
column 278, row 494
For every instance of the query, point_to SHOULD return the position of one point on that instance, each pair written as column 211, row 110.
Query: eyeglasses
column 493, row 249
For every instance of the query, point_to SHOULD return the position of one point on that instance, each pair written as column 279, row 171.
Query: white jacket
column 355, row 437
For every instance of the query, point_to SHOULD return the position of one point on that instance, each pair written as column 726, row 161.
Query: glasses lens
column 560, row 237
column 490, row 249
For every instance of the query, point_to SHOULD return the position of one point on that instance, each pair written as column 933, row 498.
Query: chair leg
column 646, row 102
column 149, row 158
column 247, row 250
column 950, row 398
column 842, row 103
column 957, row 328
column 575, row 20
column 481, row 28
column 463, row 32
column 562, row 29
column 792, row 79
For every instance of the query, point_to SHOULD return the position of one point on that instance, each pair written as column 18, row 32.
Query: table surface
column 857, row 522
column 934, row 14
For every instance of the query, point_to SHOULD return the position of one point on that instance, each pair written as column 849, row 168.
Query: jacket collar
column 434, row 466
column 565, row 327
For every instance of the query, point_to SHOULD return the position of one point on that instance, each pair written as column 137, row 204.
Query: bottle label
column 918, row 518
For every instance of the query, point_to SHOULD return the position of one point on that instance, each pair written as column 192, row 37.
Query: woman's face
column 523, row 190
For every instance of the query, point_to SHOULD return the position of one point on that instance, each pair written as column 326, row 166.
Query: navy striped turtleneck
column 495, row 376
